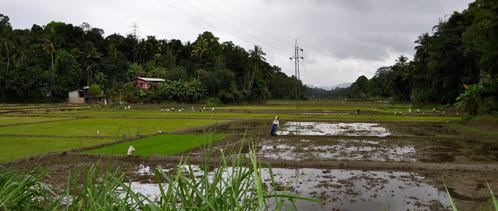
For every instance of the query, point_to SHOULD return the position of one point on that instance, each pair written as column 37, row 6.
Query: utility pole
column 298, row 88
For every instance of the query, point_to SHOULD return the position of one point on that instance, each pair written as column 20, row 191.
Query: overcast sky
column 341, row 39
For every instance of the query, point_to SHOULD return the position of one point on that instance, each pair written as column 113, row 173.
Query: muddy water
column 329, row 129
column 342, row 149
column 350, row 189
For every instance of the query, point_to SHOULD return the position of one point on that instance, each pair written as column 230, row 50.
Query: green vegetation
column 22, row 147
column 67, row 57
column 17, row 120
column 104, row 127
column 94, row 90
column 95, row 188
column 158, row 145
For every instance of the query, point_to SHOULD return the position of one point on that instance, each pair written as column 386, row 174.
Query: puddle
column 353, row 189
column 333, row 129
column 344, row 150
column 360, row 190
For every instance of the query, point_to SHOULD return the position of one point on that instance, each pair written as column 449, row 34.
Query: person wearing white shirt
column 275, row 125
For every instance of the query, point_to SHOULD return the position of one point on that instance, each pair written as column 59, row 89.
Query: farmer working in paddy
column 275, row 125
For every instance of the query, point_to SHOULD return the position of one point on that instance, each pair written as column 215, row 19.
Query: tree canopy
column 58, row 57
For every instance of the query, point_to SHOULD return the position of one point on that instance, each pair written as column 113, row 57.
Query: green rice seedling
column 23, row 190
column 166, row 144
column 495, row 202
column 449, row 196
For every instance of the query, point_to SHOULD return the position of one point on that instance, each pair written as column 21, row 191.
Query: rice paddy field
column 325, row 151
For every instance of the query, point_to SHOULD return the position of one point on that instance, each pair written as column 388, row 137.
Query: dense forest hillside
column 43, row 63
column 456, row 63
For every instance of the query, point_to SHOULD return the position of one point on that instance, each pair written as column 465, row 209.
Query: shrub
column 95, row 90
column 213, row 101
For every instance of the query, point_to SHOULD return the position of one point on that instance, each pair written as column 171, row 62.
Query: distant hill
column 343, row 85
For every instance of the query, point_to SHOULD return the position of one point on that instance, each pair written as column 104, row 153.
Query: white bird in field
column 98, row 132
column 159, row 131
column 188, row 124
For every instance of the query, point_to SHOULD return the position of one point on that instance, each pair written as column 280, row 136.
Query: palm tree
column 422, row 49
column 256, row 60
column 100, row 78
column 19, row 51
column 7, row 44
column 50, row 44
column 89, row 53
column 115, row 41
column 200, row 47
column 401, row 60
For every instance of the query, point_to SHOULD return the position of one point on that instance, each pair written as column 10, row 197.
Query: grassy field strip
column 21, row 147
column 105, row 127
column 17, row 120
column 390, row 118
column 470, row 129
column 183, row 115
column 38, row 107
column 158, row 145
column 229, row 115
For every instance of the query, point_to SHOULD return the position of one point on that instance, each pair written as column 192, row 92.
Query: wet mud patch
column 333, row 129
column 336, row 149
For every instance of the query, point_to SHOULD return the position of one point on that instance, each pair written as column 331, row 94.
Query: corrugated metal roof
column 152, row 79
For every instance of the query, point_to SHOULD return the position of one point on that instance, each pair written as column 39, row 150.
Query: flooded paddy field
column 379, row 142
column 352, row 187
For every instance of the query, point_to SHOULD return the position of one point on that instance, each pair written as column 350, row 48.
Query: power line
column 311, row 74
column 245, row 23
column 206, row 22
column 261, row 22
column 230, row 25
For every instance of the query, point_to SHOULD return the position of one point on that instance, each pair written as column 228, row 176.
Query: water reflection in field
column 352, row 189
column 330, row 129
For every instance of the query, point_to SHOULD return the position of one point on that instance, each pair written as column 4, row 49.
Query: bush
column 213, row 101
column 95, row 90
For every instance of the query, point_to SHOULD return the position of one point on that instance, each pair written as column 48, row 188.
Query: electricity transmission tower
column 298, row 88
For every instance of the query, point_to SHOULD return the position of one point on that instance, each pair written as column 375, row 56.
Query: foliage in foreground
column 239, row 187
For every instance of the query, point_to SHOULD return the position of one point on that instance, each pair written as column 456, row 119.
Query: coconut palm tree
column 401, row 60
column 101, row 79
column 7, row 44
column 115, row 40
column 19, row 51
column 89, row 53
column 200, row 47
column 422, row 49
column 50, row 43
column 256, row 60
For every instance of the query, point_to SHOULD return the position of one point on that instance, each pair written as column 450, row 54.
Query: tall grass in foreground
column 453, row 206
column 235, row 187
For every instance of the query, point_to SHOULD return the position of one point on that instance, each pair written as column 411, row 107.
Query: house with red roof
column 145, row 83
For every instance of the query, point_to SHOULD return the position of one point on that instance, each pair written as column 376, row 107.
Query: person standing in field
column 274, row 126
